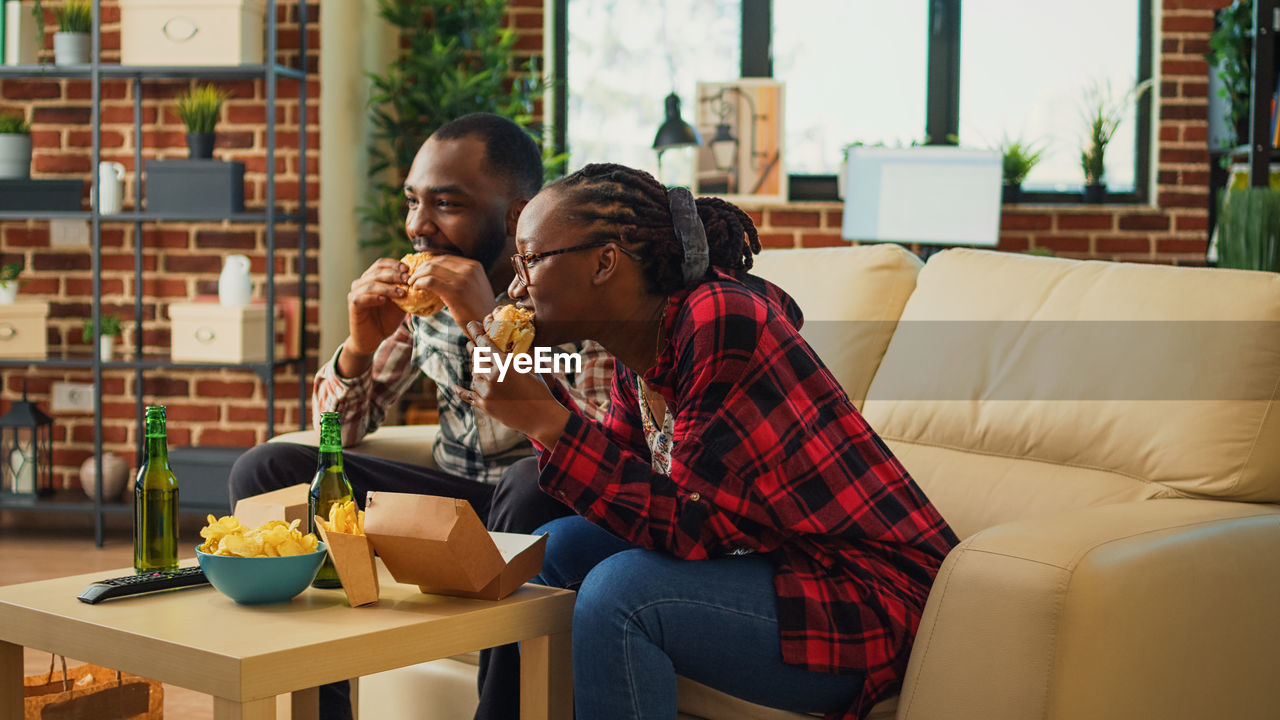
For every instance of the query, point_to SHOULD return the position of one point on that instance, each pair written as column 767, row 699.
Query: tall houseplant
column 198, row 109
column 454, row 58
column 15, row 147
column 1102, row 115
column 1230, row 59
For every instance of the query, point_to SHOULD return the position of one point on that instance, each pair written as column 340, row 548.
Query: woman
column 728, row 443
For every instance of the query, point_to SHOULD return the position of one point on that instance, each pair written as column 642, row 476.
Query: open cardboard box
column 440, row 545
column 353, row 558
column 287, row 504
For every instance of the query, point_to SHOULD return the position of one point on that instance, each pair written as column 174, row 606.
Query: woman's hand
column 520, row 401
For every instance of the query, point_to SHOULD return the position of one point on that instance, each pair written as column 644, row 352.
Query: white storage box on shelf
column 191, row 32
column 22, row 329
column 209, row 332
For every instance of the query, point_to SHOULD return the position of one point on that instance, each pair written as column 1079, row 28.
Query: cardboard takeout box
column 287, row 504
column 353, row 557
column 440, row 545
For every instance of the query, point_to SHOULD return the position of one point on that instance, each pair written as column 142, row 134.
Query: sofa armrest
column 1159, row 608
column 404, row 443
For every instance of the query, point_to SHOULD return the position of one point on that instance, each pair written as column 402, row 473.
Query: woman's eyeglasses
column 522, row 261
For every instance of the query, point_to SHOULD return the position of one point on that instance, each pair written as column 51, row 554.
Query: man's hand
column 372, row 315
column 520, row 401
column 461, row 283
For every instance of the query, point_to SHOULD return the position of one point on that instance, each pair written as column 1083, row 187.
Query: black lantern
column 26, row 450
column 675, row 132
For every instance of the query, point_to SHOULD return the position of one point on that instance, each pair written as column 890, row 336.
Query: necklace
column 657, row 339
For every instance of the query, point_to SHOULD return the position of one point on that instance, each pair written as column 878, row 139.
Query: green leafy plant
column 454, row 58
column 110, row 327
column 14, row 124
column 1249, row 229
column 1018, row 159
column 198, row 108
column 9, row 272
column 74, row 16
column 37, row 12
column 1230, row 55
column 1102, row 115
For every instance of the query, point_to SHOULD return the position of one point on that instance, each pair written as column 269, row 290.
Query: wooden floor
column 38, row 546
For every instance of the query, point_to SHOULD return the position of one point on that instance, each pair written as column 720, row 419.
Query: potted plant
column 15, row 147
column 1018, row 158
column 1249, row 229
column 111, row 330
column 1102, row 115
column 1230, row 69
column 198, row 109
column 71, row 43
column 463, row 60
column 9, row 273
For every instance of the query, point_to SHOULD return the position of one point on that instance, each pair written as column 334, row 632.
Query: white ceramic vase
column 114, row 469
column 106, row 347
column 235, row 287
column 8, row 293
column 71, row 48
column 110, row 187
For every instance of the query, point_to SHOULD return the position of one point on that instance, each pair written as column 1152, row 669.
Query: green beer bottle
column 330, row 487
column 155, row 501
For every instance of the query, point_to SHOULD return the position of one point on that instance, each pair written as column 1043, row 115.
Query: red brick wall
column 1173, row 231
column 180, row 261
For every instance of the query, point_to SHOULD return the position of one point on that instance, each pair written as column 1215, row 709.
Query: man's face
column 456, row 205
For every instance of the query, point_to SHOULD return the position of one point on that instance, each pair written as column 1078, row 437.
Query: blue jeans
column 641, row 617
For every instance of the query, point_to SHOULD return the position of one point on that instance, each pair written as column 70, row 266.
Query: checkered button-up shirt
column 470, row 444
column 769, row 456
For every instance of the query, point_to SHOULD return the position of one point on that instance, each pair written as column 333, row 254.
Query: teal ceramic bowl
column 264, row 580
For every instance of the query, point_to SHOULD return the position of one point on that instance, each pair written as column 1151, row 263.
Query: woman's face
column 560, row 286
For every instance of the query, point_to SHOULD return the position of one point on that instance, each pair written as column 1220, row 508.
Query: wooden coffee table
column 246, row 655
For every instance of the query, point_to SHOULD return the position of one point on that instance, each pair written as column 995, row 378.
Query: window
column 854, row 72
column 915, row 71
column 624, row 57
column 1017, row 84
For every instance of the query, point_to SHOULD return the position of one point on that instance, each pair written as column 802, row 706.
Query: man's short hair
column 508, row 148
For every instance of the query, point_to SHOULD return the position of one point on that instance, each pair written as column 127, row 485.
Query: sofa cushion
column 851, row 298
column 1017, row 385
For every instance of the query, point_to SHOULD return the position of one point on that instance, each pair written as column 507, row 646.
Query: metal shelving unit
column 269, row 216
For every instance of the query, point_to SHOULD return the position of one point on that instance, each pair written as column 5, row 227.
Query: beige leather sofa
column 1106, row 440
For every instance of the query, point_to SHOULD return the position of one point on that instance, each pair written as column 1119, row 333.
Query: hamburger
column 510, row 328
column 418, row 302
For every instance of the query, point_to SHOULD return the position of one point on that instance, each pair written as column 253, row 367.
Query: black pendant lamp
column 675, row 132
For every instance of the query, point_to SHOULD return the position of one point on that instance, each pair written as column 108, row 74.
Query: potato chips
column 226, row 536
column 344, row 518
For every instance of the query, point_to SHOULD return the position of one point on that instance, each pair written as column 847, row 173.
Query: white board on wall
column 934, row 195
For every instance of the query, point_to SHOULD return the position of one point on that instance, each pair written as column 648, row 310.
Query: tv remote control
column 130, row 585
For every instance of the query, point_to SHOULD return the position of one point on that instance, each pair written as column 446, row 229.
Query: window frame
column 942, row 104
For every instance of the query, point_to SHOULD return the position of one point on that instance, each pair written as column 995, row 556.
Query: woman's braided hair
column 630, row 206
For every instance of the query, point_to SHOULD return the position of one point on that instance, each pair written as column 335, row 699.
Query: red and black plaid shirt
column 770, row 457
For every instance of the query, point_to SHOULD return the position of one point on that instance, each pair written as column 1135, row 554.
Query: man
column 463, row 195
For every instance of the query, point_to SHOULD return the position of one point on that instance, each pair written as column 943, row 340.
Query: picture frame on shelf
column 741, row 158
